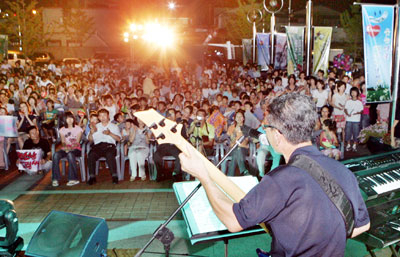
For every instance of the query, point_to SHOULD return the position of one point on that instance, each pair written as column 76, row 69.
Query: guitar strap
column 330, row 187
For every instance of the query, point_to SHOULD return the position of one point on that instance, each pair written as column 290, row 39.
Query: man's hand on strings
column 193, row 164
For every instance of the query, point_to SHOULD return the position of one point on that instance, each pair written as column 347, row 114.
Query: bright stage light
column 132, row 27
column 126, row 40
column 171, row 5
column 159, row 34
column 126, row 34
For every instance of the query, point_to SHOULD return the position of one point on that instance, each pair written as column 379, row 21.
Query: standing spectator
column 104, row 135
column 338, row 102
column 148, row 85
column 353, row 110
column 70, row 135
column 320, row 95
column 365, row 114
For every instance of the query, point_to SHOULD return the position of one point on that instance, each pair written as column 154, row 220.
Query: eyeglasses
column 272, row 127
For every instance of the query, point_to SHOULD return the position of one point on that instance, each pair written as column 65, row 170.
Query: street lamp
column 127, row 39
column 273, row 7
column 253, row 16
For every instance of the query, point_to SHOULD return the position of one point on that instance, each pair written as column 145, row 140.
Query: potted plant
column 376, row 137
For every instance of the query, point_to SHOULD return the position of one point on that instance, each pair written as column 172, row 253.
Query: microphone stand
column 165, row 235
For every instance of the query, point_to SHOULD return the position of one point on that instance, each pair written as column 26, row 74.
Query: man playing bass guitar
column 301, row 217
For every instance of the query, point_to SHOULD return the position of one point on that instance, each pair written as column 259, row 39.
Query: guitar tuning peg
column 162, row 136
column 162, row 123
column 153, row 126
column 173, row 129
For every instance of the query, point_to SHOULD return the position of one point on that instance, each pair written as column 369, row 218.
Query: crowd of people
column 96, row 102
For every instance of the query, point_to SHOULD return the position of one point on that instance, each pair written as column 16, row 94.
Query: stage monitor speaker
column 65, row 234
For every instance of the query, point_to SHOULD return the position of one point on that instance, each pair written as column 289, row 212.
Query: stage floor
column 133, row 210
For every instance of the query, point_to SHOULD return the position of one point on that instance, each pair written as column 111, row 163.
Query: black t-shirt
column 43, row 144
column 25, row 124
column 302, row 219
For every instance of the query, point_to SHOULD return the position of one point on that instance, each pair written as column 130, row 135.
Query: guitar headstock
column 164, row 130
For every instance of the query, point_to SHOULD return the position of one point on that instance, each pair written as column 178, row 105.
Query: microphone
column 253, row 133
column 249, row 132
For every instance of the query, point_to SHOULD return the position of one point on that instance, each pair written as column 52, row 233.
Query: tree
column 76, row 25
column 237, row 25
column 351, row 22
column 24, row 24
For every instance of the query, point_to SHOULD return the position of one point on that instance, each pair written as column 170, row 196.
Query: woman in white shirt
column 353, row 110
column 338, row 102
column 320, row 95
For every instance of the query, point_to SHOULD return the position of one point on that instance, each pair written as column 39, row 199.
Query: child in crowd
column 50, row 120
column 328, row 139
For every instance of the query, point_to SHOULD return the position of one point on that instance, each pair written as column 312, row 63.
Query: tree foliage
column 21, row 24
column 351, row 22
column 76, row 25
column 237, row 25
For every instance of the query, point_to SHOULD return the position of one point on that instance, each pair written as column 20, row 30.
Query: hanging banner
column 3, row 46
column 378, row 43
column 8, row 126
column 29, row 160
column 280, row 51
column 247, row 47
column 322, row 45
column 295, row 49
column 263, row 56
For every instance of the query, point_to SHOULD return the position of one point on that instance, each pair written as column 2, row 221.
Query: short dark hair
column 355, row 89
column 103, row 110
column 30, row 128
column 294, row 115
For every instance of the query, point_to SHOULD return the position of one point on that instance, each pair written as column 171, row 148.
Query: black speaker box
column 63, row 234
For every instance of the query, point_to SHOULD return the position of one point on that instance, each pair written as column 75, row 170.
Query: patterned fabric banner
column 247, row 47
column 3, row 46
column 378, row 43
column 322, row 45
column 295, row 49
column 280, row 51
column 263, row 56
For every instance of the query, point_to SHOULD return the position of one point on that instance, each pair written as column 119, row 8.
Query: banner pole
column 272, row 61
column 396, row 63
column 254, row 42
column 308, row 35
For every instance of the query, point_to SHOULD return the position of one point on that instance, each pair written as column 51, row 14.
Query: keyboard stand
column 395, row 248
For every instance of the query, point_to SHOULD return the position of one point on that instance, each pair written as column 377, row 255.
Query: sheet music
column 199, row 210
